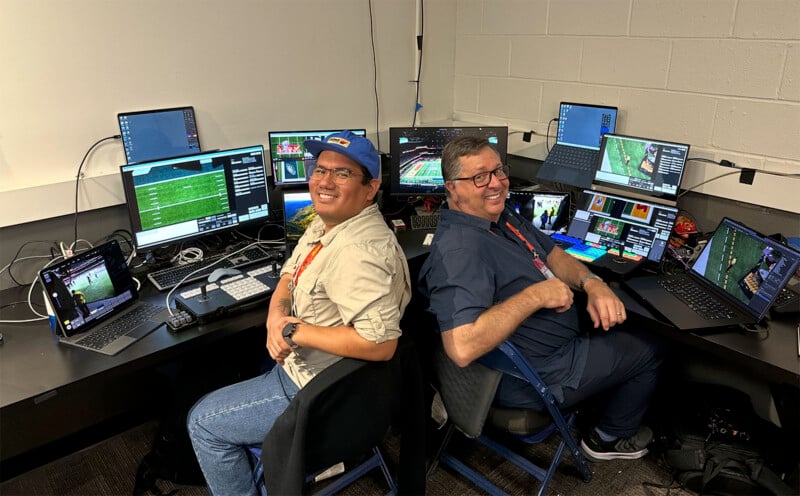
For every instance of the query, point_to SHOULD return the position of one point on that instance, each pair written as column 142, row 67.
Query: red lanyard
column 544, row 269
column 309, row 258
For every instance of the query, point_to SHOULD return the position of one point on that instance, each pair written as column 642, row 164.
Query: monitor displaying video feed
column 290, row 160
column 622, row 226
column 649, row 167
column 186, row 197
column 298, row 212
column 548, row 212
column 158, row 134
column 416, row 155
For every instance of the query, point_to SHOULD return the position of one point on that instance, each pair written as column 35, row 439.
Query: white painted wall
column 247, row 66
column 722, row 75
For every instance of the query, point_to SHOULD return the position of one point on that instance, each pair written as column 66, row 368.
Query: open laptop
column 573, row 159
column 641, row 168
column 740, row 272
column 547, row 211
column 617, row 233
column 96, row 303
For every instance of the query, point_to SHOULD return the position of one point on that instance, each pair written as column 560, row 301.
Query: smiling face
column 335, row 203
column 487, row 202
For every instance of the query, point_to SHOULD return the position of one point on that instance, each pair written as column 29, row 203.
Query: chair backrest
column 467, row 392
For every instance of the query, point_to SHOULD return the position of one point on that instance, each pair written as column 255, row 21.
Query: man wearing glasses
column 342, row 293
column 492, row 276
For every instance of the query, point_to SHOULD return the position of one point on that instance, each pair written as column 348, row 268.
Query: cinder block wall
column 722, row 75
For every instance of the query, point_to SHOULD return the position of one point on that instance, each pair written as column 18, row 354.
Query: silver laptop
column 96, row 303
column 573, row 159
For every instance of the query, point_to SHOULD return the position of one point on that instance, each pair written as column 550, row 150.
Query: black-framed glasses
column 483, row 179
column 340, row 175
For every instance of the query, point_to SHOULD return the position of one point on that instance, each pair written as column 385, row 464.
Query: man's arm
column 344, row 341
column 280, row 308
column 604, row 307
column 467, row 342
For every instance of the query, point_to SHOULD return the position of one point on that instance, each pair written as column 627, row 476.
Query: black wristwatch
column 288, row 331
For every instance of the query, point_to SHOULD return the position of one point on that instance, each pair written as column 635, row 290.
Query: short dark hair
column 464, row 146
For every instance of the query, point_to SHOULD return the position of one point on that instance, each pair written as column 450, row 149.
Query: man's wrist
column 588, row 277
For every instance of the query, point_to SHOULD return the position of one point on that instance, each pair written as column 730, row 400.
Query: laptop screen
column 156, row 134
column 623, row 226
column 642, row 165
column 584, row 125
column 750, row 267
column 298, row 212
column 548, row 212
column 88, row 287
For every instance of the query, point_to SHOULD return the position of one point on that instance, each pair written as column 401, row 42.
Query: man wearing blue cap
column 342, row 293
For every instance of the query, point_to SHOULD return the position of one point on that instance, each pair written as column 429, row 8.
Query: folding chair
column 468, row 393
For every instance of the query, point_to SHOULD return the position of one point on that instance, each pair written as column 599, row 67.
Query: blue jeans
column 223, row 423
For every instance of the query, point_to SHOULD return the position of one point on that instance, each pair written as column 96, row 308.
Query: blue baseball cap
column 357, row 148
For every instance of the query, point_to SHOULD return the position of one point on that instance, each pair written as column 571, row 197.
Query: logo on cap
column 339, row 141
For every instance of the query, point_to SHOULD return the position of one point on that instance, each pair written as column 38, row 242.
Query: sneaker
column 630, row 448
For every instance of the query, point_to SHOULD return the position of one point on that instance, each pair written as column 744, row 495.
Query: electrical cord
column 78, row 176
column 417, row 81
column 375, row 78
column 547, row 136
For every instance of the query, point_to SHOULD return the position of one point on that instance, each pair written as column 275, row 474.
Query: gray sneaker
column 630, row 448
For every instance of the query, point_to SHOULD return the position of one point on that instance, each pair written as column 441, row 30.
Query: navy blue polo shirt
column 475, row 264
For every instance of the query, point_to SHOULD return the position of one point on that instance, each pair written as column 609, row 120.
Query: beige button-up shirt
column 359, row 278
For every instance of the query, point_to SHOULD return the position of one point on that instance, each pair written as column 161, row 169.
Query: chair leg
column 445, row 441
column 352, row 475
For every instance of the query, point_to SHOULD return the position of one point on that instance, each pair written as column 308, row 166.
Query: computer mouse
column 220, row 273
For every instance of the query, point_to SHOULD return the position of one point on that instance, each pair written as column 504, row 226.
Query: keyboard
column 697, row 298
column 99, row 338
column 169, row 277
column 573, row 157
column 429, row 221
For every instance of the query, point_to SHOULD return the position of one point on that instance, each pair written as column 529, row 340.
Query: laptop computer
column 641, row 168
column 616, row 233
column 547, row 211
column 573, row 159
column 740, row 272
column 96, row 303
column 157, row 134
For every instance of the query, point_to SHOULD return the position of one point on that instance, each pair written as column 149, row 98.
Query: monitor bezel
column 133, row 210
column 120, row 115
column 273, row 160
column 394, row 187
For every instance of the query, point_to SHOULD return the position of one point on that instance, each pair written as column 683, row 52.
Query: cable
column 78, row 177
column 419, row 64
column 547, row 136
column 702, row 159
column 375, row 79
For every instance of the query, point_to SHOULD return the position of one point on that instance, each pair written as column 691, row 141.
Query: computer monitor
column 416, row 155
column 548, row 212
column 290, row 160
column 640, row 165
column 298, row 212
column 181, row 198
column 157, row 134
column 625, row 227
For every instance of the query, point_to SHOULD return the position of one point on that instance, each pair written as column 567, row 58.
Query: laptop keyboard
column 697, row 299
column 574, row 157
column 102, row 336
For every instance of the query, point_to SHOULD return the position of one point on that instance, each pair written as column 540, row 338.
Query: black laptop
column 734, row 281
column 96, row 303
column 573, row 159
column 616, row 233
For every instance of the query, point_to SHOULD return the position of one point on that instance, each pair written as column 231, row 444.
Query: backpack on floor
column 719, row 445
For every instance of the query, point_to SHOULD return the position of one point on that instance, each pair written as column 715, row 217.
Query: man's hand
column 277, row 347
column 604, row 307
column 554, row 293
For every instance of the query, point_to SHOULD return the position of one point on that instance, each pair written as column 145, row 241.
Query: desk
column 48, row 390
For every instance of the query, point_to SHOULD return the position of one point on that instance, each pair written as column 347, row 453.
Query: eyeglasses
column 484, row 178
column 340, row 175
